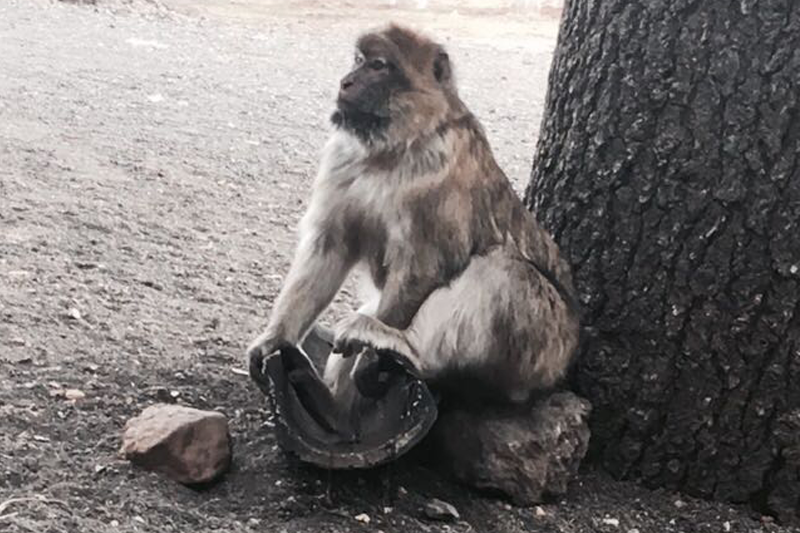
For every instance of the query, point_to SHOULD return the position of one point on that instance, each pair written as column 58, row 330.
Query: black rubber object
column 391, row 412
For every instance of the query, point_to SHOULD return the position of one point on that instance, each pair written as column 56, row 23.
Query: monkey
column 464, row 283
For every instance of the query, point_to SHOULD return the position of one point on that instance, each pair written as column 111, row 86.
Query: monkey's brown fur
column 467, row 284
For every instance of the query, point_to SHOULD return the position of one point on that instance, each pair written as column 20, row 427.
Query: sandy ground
column 154, row 159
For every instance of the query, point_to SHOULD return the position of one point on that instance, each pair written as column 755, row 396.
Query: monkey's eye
column 378, row 64
column 359, row 59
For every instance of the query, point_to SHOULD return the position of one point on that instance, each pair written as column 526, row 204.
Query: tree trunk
column 667, row 169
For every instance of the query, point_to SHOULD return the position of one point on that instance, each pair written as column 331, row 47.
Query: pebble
column 363, row 518
column 611, row 522
column 74, row 394
column 437, row 509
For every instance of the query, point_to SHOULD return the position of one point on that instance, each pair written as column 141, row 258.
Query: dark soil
column 152, row 167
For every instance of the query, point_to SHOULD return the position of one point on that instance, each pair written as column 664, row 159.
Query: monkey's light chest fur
column 487, row 319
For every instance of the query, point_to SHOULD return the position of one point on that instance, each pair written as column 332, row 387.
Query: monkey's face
column 369, row 86
column 364, row 104
column 400, row 87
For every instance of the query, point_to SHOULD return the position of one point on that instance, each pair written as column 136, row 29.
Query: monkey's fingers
column 349, row 347
column 257, row 367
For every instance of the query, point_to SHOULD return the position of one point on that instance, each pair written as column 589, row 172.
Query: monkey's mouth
column 364, row 124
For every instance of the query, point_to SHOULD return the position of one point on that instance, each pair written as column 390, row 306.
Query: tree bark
column 667, row 170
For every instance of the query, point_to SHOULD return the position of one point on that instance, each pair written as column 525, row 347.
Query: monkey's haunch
column 392, row 414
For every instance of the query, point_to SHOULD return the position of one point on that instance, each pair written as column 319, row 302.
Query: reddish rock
column 188, row 445
column 526, row 453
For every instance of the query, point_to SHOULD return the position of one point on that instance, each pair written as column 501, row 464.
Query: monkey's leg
column 501, row 322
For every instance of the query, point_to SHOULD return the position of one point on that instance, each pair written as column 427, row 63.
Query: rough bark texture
column 667, row 169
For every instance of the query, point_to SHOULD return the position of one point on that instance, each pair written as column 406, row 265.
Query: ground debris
column 436, row 509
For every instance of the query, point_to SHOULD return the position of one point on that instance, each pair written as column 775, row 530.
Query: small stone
column 611, row 522
column 437, row 509
column 114, row 523
column 67, row 394
column 680, row 504
column 74, row 394
column 539, row 511
column 523, row 453
column 634, row 530
column 363, row 518
column 726, row 526
column 185, row 444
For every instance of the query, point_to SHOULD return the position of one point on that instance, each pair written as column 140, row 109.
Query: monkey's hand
column 259, row 350
column 359, row 331
column 353, row 334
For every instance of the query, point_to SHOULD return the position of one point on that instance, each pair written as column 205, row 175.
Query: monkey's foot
column 394, row 411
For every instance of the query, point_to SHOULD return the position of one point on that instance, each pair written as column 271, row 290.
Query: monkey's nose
column 346, row 84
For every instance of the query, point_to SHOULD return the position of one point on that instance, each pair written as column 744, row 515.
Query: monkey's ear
column 441, row 67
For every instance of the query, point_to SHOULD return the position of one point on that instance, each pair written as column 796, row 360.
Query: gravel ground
column 154, row 159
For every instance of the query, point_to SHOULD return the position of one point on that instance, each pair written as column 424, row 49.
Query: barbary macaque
column 466, row 285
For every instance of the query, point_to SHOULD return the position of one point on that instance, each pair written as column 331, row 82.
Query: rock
column 68, row 394
column 437, row 509
column 188, row 445
column 74, row 394
column 525, row 453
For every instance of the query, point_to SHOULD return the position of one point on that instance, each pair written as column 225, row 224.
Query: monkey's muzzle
column 388, row 413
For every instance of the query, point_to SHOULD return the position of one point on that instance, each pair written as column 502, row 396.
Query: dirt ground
column 154, row 159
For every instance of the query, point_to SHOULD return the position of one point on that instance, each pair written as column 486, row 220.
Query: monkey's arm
column 407, row 287
column 318, row 270
column 402, row 296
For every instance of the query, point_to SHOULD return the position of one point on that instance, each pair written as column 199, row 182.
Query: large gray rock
column 524, row 453
column 188, row 445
